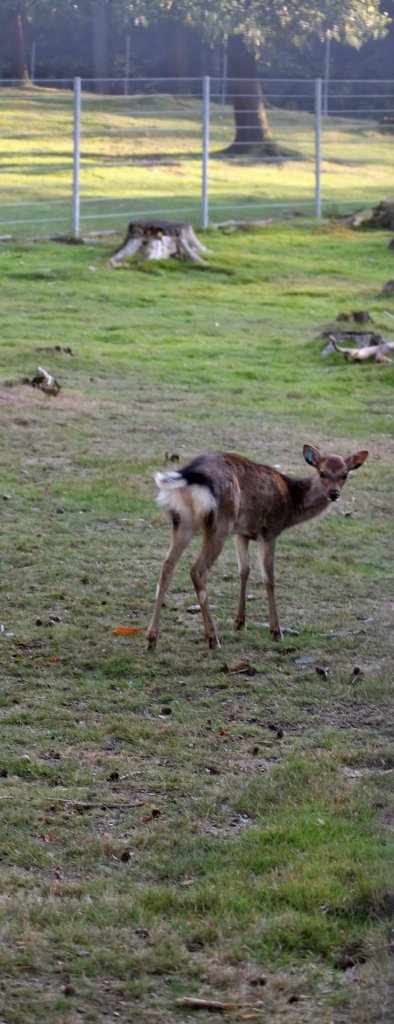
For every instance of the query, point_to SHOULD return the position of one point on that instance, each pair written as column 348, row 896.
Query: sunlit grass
column 141, row 155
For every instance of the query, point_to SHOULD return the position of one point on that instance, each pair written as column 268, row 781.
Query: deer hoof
column 277, row 634
column 152, row 641
column 213, row 642
column 239, row 623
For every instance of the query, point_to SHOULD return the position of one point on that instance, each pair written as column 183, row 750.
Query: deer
column 222, row 493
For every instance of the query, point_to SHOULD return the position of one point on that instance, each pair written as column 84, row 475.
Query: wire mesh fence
column 204, row 150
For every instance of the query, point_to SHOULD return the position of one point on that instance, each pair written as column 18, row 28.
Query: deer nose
column 334, row 495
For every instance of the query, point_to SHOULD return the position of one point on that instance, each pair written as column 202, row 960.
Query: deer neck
column 307, row 499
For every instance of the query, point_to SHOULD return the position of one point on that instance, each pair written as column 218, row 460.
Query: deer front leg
column 212, row 545
column 242, row 551
column 266, row 551
column 180, row 539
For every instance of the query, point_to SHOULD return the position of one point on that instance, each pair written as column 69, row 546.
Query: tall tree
column 250, row 25
column 15, row 13
column 100, row 43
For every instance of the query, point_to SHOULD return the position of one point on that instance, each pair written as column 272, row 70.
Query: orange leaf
column 54, row 657
column 127, row 630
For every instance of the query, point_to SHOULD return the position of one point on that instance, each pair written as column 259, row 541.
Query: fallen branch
column 380, row 353
column 213, row 1005
column 103, row 805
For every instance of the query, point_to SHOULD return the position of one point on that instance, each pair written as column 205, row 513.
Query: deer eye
column 344, row 476
column 322, row 476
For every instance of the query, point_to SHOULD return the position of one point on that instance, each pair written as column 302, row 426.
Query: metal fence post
column 205, row 148
column 318, row 98
column 76, row 156
column 326, row 72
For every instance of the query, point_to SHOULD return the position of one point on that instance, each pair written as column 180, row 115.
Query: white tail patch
column 169, row 481
column 190, row 501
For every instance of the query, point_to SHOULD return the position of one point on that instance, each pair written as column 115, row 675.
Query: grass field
column 192, row 823
column 143, row 154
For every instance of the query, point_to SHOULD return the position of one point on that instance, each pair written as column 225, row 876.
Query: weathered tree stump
column 388, row 288
column 381, row 216
column 159, row 240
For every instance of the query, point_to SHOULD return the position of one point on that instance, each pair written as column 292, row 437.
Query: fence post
column 326, row 72
column 205, row 148
column 76, row 156
column 318, row 98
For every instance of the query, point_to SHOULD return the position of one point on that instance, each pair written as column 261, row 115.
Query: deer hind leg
column 242, row 550
column 266, row 552
column 182, row 535
column 214, row 538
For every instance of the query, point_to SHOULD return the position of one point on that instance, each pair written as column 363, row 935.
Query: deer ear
column 355, row 461
column 311, row 455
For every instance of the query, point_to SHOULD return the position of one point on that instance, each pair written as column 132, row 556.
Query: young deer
column 222, row 493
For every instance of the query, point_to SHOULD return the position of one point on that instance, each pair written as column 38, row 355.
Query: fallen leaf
column 54, row 657
column 244, row 668
column 127, row 630
column 155, row 813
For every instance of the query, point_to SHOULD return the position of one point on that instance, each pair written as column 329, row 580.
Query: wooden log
column 159, row 240
column 381, row 353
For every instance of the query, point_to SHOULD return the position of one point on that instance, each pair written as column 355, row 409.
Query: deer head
column 332, row 469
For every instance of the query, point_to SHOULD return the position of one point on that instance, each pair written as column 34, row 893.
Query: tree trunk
column 179, row 58
column 100, row 45
column 17, row 47
column 252, row 134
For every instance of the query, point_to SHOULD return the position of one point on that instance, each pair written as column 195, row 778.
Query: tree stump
column 381, row 216
column 159, row 240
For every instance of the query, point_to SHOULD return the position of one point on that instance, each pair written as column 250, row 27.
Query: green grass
column 190, row 823
column 141, row 155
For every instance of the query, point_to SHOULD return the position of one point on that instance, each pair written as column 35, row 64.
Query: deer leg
column 266, row 552
column 212, row 545
column 182, row 535
column 242, row 550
